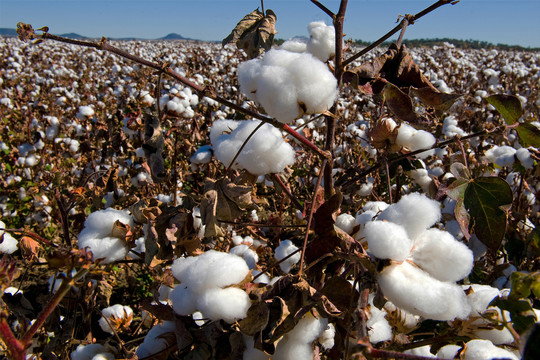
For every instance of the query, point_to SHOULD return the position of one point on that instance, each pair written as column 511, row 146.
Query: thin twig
column 410, row 21
column 288, row 192
column 404, row 24
column 262, row 6
column 311, row 211
column 243, row 145
column 324, row 8
column 32, row 235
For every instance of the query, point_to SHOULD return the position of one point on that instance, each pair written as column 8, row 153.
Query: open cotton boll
column 209, row 270
column 115, row 318
column 524, row 156
column 229, row 304
column 85, row 112
column 285, row 248
column 288, row 84
column 250, row 353
column 203, row 155
column 415, row 212
column 424, row 351
column 484, row 349
column 412, row 289
column 442, row 256
column 183, row 300
column 297, row 343
column 346, row 222
column 378, row 327
column 501, row 155
column 327, row 337
column 296, row 44
column 97, row 232
column 322, row 40
column 247, row 254
column 8, row 244
column 414, row 140
column 91, row 352
column 265, row 152
column 480, row 297
column 155, row 342
column 387, row 240
column 448, row 351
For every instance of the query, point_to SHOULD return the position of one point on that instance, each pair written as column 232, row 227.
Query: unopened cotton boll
column 265, row 152
column 285, row 248
column 322, row 40
column 387, row 240
column 96, row 234
column 288, row 84
column 228, row 304
column 442, row 256
column 414, row 290
column 415, row 212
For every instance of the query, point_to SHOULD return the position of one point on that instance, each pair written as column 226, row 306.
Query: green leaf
column 529, row 135
column 533, row 241
column 486, row 200
column 524, row 283
column 508, row 106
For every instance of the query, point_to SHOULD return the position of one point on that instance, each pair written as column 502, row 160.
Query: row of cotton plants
column 79, row 167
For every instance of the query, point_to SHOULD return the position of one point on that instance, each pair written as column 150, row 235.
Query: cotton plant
column 425, row 262
column 97, row 235
column 265, row 152
column 207, row 285
column 115, row 318
column 288, row 84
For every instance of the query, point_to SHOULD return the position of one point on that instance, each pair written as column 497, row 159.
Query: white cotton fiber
column 96, row 234
column 387, row 240
column 501, row 155
column 113, row 314
column 203, row 155
column 183, row 300
column 375, row 206
column 448, row 351
column 297, row 343
column 154, row 342
column 229, row 304
column 184, row 269
column 322, row 40
column 524, row 156
column 85, row 112
column 327, row 337
column 378, row 327
column 285, row 248
column 480, row 297
column 412, row 289
column 442, row 256
column 346, row 222
column 297, row 44
column 250, row 353
column 415, row 212
column 413, row 140
column 424, row 351
column 91, row 352
column 8, row 244
column 484, row 349
column 265, row 152
column 288, row 84
column 249, row 256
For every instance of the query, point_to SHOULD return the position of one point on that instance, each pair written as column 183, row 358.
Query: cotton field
column 148, row 219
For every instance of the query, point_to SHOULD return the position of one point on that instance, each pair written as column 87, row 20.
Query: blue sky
column 496, row 21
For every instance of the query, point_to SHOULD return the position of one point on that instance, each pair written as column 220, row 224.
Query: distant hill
column 74, row 36
column 173, row 36
column 8, row 32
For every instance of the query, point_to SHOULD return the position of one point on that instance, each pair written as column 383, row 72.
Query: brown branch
column 323, row 8
column 410, row 21
column 32, row 235
column 404, row 24
column 288, row 192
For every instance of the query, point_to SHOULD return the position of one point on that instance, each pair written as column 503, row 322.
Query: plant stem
column 404, row 24
column 410, row 21
column 323, row 8
column 14, row 346
column 287, row 191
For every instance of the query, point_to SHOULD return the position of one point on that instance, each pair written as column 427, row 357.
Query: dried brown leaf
column 254, row 33
column 437, row 100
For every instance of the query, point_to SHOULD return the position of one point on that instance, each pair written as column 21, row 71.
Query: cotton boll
column 501, row 155
column 260, row 279
column 414, row 140
column 524, row 156
column 378, row 327
column 154, row 342
column 247, row 254
column 412, row 289
column 375, row 206
column 480, row 297
column 484, row 349
column 8, row 244
column 415, row 212
column 346, row 222
column 91, row 352
column 422, row 178
column 85, row 112
column 448, row 351
column 327, row 337
column 496, row 336
column 265, row 152
column 288, row 349
column 442, row 256
column 229, row 304
column 203, row 155
column 387, row 240
column 181, row 268
column 277, row 94
column 183, row 300
column 118, row 316
column 247, row 78
column 222, row 127
column 297, row 343
column 297, row 44
column 424, row 351
column 285, row 248
column 322, row 40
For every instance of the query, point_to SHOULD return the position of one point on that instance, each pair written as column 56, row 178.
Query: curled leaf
column 153, row 147
column 254, row 33
column 437, row 100
column 508, row 106
column 399, row 103
column 25, row 31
